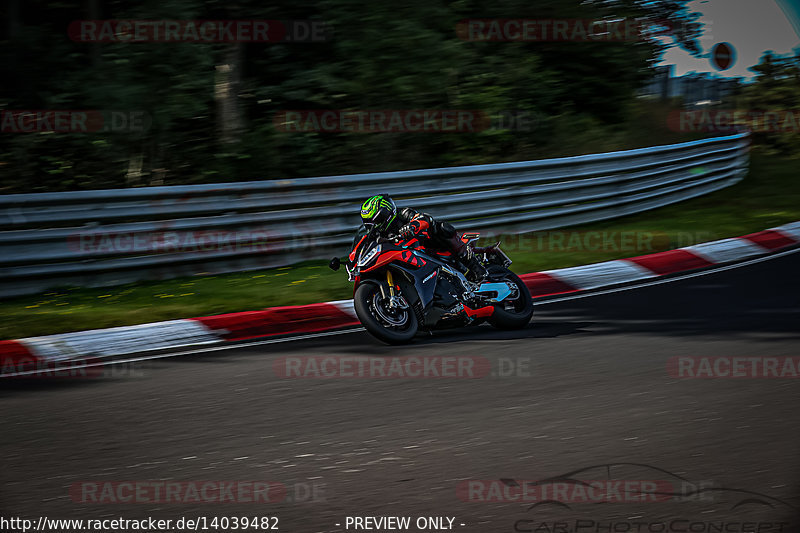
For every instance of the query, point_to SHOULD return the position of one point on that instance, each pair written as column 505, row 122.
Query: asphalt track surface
column 596, row 391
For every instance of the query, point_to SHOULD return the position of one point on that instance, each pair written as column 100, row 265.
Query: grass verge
column 769, row 196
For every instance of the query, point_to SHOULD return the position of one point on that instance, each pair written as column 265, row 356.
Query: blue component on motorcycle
column 502, row 290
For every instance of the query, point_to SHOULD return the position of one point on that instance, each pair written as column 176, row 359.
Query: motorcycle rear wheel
column 516, row 314
column 392, row 326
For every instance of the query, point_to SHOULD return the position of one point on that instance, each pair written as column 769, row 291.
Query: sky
column 750, row 26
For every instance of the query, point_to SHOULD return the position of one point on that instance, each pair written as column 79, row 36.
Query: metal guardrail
column 108, row 237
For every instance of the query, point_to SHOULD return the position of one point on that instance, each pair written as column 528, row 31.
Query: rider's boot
column 476, row 272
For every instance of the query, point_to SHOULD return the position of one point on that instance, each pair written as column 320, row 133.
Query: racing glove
column 406, row 232
column 414, row 228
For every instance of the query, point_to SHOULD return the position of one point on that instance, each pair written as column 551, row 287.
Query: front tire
column 392, row 326
column 517, row 313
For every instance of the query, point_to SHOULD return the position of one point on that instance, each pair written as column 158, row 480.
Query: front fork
column 395, row 299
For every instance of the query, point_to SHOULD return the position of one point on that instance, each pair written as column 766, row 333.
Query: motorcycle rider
column 417, row 229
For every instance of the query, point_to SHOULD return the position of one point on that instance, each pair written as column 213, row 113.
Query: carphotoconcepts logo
column 568, row 491
column 177, row 492
column 640, row 525
column 698, row 367
column 74, row 121
column 563, row 30
column 199, row 31
column 568, row 504
column 733, row 120
column 403, row 121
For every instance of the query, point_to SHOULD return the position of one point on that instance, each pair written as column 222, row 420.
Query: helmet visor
column 380, row 219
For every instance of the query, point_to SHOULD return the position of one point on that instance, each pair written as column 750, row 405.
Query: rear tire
column 395, row 327
column 519, row 314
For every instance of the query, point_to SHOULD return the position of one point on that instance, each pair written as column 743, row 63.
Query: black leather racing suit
column 418, row 230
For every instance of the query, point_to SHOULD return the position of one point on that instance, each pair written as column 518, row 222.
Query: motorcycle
column 400, row 290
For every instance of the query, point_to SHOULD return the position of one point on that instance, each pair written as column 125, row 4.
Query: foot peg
column 475, row 269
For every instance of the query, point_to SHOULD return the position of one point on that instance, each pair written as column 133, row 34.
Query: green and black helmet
column 378, row 211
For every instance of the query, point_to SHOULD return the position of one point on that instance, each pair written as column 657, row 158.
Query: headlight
column 372, row 254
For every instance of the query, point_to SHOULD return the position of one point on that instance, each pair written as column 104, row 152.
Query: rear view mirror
column 335, row 263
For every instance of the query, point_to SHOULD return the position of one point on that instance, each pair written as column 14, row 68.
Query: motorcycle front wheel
column 392, row 325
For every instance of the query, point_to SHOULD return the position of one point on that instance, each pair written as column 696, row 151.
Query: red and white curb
column 45, row 353
column 23, row 354
column 699, row 256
